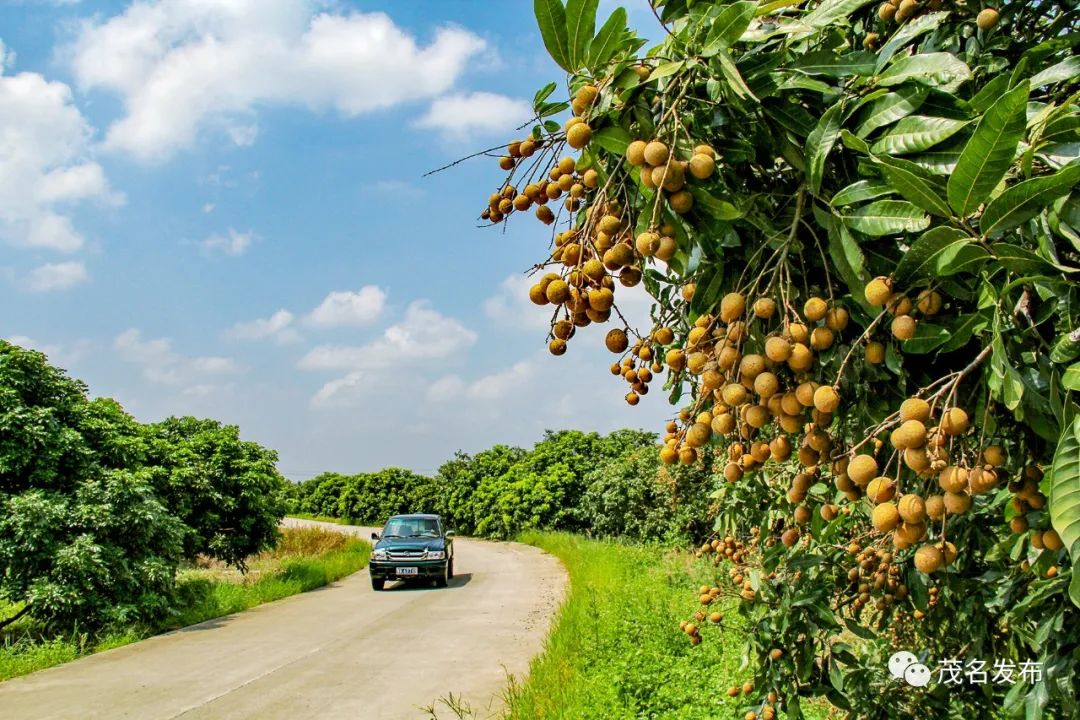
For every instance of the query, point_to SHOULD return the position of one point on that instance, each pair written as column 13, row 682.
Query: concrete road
column 342, row 651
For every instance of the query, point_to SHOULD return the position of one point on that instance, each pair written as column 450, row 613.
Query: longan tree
column 860, row 225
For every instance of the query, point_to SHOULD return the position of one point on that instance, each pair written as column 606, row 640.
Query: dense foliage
column 861, row 228
column 603, row 485
column 98, row 510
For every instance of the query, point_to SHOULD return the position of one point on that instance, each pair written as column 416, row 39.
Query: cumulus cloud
column 46, row 163
column 464, row 115
column 62, row 355
column 278, row 327
column 232, row 243
column 56, row 276
column 348, row 308
column 162, row 365
column 180, row 66
column 424, row 334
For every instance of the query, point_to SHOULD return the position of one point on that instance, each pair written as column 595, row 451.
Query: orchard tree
column 860, row 225
column 84, row 539
column 226, row 491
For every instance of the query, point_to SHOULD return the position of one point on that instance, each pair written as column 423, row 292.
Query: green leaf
column 734, row 78
column 551, row 19
column 928, row 337
column 939, row 163
column 1005, row 382
column 1065, row 70
column 942, row 70
column 828, row 63
column 1066, row 348
column 1024, row 200
column 729, row 26
column 829, row 11
column 1070, row 379
column 847, row 255
column 606, row 43
column 1020, row 260
column 543, row 94
column 939, row 252
column 907, row 33
column 917, row 133
column 892, row 107
column 580, row 26
column 819, row 143
column 666, row 69
column 914, row 188
column 719, row 209
column 613, row 139
column 860, row 190
column 1065, row 489
column 887, row 217
column 988, row 154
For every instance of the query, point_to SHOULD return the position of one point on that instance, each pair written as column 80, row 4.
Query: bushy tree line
column 97, row 511
column 611, row 485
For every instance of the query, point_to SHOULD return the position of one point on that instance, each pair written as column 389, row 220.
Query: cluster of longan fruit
column 661, row 169
column 638, row 367
column 1026, row 498
column 561, row 179
column 879, row 293
column 767, row 710
column 875, row 574
column 741, row 393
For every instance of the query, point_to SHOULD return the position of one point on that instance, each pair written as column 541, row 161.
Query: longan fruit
column 815, row 308
column 885, row 517
column 578, row 135
column 656, row 153
column 732, row 307
column 1052, row 540
column 821, row 338
column 688, row 291
column 862, row 469
column 777, row 349
column 506, row 162
column 557, row 346
column 881, row 489
column 616, row 340
column 954, row 421
column 929, row 559
column 648, row 243
column 875, row 353
column 929, row 302
column 957, row 503
column 826, row 399
column 667, row 249
column 681, row 202
column 558, row 292
column 903, row 327
column 836, row 319
column 987, row 18
column 878, row 291
column 935, row 507
column 764, row 308
column 914, row 409
column 912, row 508
column 702, row 166
column 886, row 11
column 545, row 215
column 953, row 479
column 635, row 153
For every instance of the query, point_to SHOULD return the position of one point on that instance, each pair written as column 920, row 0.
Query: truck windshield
column 412, row 527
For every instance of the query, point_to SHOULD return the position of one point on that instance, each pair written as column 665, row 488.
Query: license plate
column 407, row 571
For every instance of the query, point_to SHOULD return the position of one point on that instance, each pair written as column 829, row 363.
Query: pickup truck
column 412, row 547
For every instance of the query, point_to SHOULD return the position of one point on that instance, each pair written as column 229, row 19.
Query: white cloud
column 347, row 308
column 495, row 386
column 61, row 355
column 56, row 276
column 180, row 66
column 344, row 391
column 424, row 334
column 278, row 327
column 161, row 365
column 45, row 162
column 233, row 243
column 461, row 116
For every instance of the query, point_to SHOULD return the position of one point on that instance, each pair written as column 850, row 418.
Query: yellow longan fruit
column 935, row 507
column 929, row 302
column 616, row 340
column 702, row 166
column 732, row 307
column 903, row 327
column 777, row 349
column 875, row 353
column 578, row 135
column 885, row 517
column 993, row 455
column 558, row 292
column 957, row 503
column 953, row 479
column 821, row 338
column 1052, row 540
column 928, row 559
column 557, row 346
column 878, row 291
column 987, row 18
column 815, row 309
column 681, row 202
column 656, row 153
column 910, row 434
column 886, row 11
column 764, row 308
column 668, row 455
column 648, row 243
column 826, row 399
column 912, row 508
column 862, row 469
column 698, row 434
column 688, row 291
column 667, row 249
column 954, row 421
column 801, row 357
column 635, row 153
column 836, row 319
column 545, row 215
column 881, row 489
column 915, row 409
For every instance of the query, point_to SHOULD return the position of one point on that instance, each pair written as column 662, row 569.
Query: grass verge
column 616, row 651
column 324, row 518
column 305, row 558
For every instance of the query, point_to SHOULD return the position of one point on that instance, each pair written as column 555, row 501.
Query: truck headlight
column 436, row 555
column 378, row 554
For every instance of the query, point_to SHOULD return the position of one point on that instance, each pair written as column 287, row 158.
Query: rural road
column 342, row 651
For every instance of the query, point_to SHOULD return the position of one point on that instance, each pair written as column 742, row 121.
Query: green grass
column 616, row 651
column 305, row 559
column 324, row 518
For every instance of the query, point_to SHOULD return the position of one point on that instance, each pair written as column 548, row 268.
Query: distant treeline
column 606, row 485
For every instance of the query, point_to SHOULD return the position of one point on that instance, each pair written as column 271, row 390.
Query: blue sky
column 216, row 207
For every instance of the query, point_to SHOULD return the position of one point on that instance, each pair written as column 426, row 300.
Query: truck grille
column 405, row 554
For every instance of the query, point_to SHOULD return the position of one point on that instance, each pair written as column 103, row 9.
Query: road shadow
column 459, row 580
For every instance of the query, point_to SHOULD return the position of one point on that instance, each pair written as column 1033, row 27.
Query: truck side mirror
column 450, row 533
column 374, row 536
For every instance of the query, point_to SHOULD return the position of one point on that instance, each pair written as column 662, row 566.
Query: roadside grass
column 304, row 559
column 325, row 519
column 616, row 651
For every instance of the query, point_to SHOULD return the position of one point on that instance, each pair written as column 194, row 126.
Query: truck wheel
column 443, row 579
column 450, row 570
column 377, row 584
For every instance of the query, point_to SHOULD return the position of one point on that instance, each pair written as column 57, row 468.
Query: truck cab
column 412, row 547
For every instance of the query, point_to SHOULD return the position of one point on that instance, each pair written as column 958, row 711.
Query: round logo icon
column 899, row 662
column 917, row 675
